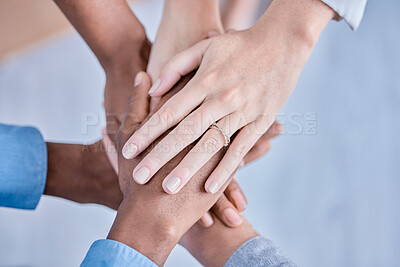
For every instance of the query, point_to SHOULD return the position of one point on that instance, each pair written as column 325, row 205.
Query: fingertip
column 154, row 88
column 207, row 220
column 232, row 217
column 212, row 187
column 239, row 200
column 171, row 185
column 129, row 150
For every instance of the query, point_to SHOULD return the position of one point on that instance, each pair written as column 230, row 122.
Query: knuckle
column 225, row 173
column 154, row 158
column 184, row 134
column 212, row 143
column 239, row 151
column 230, row 97
column 167, row 115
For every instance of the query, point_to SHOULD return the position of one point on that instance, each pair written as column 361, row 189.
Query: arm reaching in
column 119, row 42
column 243, row 80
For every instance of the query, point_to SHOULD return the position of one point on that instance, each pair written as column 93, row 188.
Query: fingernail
column 138, row 79
column 213, row 187
column 239, row 200
column 129, row 151
column 155, row 86
column 141, row 175
column 232, row 216
column 207, row 220
column 172, row 184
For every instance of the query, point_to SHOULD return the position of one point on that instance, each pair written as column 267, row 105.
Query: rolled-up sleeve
column 351, row 11
column 23, row 166
column 259, row 252
column 106, row 252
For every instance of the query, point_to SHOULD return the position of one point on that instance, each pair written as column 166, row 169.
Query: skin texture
column 243, row 81
column 87, row 178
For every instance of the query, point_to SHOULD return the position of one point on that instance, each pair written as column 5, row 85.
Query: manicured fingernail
column 172, row 184
column 155, row 86
column 213, row 187
column 141, row 175
column 232, row 216
column 138, row 79
column 207, row 220
column 129, row 151
column 239, row 200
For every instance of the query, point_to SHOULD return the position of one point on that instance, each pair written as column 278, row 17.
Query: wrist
column 214, row 246
column 152, row 237
column 130, row 56
column 60, row 178
column 193, row 17
column 82, row 173
column 299, row 23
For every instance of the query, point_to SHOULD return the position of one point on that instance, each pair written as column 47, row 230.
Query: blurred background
column 328, row 193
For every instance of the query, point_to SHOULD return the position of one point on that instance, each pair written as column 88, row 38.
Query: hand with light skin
column 243, row 81
column 148, row 216
column 183, row 24
column 233, row 193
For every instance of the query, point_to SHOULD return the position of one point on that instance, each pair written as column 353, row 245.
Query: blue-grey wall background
column 329, row 197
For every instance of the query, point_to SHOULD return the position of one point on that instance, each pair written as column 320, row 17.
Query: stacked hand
column 147, row 215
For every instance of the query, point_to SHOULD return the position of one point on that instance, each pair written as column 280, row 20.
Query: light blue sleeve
column 351, row 11
column 259, row 252
column 106, row 252
column 23, row 166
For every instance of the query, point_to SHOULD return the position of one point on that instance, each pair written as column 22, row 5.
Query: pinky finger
column 232, row 159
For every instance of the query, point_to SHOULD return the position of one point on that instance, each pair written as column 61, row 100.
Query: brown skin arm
column 82, row 173
column 119, row 42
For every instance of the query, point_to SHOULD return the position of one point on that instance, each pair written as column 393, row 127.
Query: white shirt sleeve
column 350, row 10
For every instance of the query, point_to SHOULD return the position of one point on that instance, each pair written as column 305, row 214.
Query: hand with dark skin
column 147, row 215
column 88, row 176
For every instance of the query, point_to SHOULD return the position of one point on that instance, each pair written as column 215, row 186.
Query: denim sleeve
column 258, row 252
column 23, row 166
column 351, row 11
column 106, row 253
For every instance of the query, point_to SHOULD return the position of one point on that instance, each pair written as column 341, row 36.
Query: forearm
column 109, row 27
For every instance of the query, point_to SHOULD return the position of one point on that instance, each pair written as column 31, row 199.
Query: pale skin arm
column 243, row 81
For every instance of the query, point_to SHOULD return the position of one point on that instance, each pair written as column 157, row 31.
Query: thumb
column 137, row 107
column 178, row 66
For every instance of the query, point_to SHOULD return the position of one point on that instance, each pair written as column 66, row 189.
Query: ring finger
column 211, row 142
